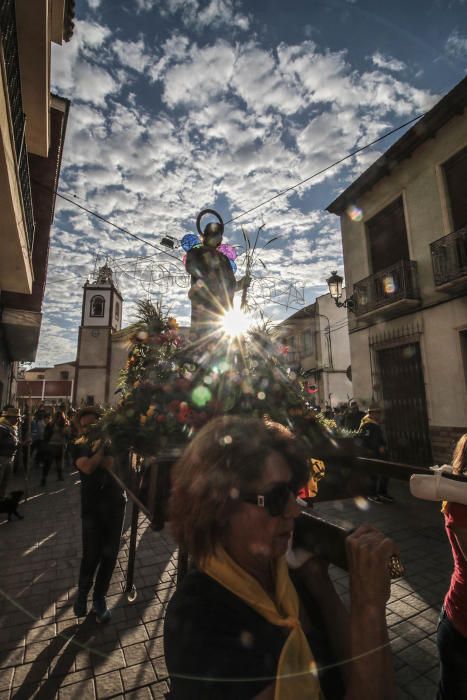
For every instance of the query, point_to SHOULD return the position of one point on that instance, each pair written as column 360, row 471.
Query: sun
column 235, row 322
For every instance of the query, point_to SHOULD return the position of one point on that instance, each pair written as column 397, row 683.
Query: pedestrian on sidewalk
column 38, row 425
column 9, row 442
column 371, row 437
column 452, row 625
column 102, row 512
column 55, row 435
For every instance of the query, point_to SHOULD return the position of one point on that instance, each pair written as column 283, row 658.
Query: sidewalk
column 45, row 654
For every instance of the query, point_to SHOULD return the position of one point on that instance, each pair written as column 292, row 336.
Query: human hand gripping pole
column 316, row 537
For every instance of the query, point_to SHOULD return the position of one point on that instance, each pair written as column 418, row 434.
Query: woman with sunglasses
column 236, row 628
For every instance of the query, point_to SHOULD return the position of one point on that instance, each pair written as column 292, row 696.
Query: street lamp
column 335, row 290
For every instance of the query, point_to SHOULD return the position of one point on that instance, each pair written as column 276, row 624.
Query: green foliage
column 169, row 389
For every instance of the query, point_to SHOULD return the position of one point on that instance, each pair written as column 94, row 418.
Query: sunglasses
column 275, row 501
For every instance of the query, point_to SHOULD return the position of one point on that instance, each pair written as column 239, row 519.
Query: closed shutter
column 387, row 237
column 455, row 171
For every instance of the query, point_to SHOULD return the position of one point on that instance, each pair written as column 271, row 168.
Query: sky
column 182, row 105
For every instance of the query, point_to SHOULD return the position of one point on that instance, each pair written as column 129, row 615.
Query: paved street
column 45, row 654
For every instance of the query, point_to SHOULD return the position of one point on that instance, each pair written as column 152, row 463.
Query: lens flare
column 354, row 213
column 235, row 322
column 389, row 285
column 201, row 396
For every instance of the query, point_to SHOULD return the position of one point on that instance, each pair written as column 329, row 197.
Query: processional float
column 171, row 386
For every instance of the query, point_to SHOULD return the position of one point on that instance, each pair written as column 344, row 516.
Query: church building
column 102, row 343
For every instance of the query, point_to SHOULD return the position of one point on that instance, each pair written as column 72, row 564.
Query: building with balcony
column 50, row 386
column 317, row 342
column 32, row 131
column 404, row 236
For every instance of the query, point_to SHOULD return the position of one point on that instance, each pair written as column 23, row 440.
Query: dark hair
column 89, row 411
column 223, row 459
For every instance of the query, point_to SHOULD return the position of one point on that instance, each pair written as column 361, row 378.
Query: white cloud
column 132, row 54
column 93, row 84
column 219, row 12
column 202, row 76
column 238, row 123
column 456, row 45
column 94, row 4
column 199, row 15
column 259, row 81
column 75, row 69
column 387, row 63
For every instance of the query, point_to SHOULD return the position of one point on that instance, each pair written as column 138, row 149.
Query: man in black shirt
column 102, row 513
column 353, row 417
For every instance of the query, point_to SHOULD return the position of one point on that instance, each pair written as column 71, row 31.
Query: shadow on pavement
column 41, row 557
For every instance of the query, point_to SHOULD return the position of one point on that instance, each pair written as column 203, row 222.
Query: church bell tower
column 101, row 316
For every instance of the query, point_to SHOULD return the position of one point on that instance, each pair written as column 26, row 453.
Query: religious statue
column 211, row 265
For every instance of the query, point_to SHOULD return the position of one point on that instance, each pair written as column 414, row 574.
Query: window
column 117, row 311
column 307, row 342
column 64, row 375
column 89, row 400
column 41, row 376
column 455, row 173
column 387, row 237
column 97, row 305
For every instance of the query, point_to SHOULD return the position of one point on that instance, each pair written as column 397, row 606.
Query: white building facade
column 317, row 340
column 404, row 235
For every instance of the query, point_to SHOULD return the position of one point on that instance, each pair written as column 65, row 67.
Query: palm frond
column 271, row 240
column 147, row 311
column 246, row 238
column 260, row 228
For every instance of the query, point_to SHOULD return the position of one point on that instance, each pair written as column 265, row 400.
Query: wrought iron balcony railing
column 11, row 58
column 449, row 257
column 394, row 284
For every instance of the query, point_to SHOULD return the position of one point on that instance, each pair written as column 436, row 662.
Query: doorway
column 405, row 411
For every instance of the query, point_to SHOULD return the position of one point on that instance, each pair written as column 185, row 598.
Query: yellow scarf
column 296, row 675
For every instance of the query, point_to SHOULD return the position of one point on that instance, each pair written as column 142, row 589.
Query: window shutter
column 387, row 237
column 455, row 171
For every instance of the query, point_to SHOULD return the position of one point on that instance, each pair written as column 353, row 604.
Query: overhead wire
column 106, row 220
column 159, row 250
column 251, row 209
column 328, row 167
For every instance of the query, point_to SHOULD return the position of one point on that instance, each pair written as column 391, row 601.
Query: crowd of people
column 243, row 624
column 367, row 430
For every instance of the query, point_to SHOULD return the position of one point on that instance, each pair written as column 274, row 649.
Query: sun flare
column 235, row 322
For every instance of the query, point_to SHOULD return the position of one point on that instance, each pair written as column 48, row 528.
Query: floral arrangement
column 168, row 392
